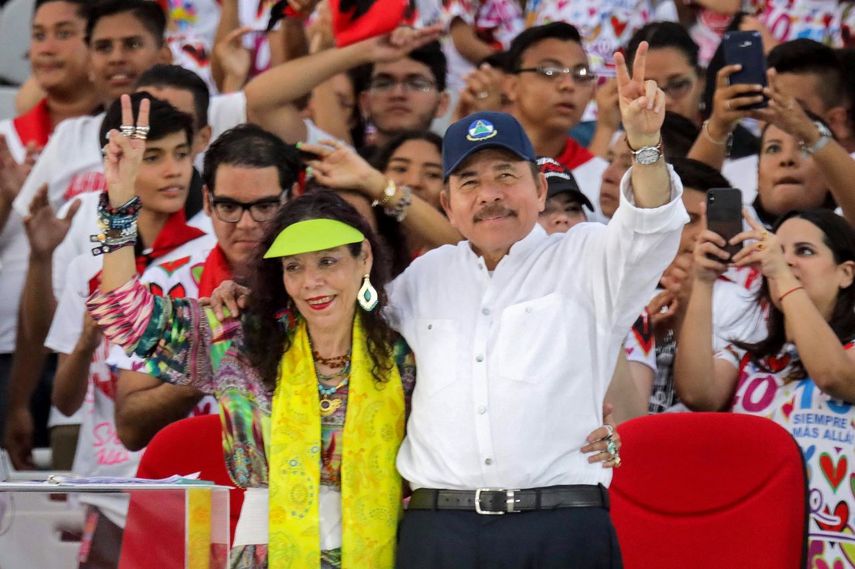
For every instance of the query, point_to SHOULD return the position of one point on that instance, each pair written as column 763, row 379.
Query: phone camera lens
column 712, row 198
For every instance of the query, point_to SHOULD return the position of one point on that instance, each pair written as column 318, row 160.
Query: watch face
column 648, row 155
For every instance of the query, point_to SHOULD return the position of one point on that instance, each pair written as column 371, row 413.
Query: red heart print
column 618, row 26
column 834, row 474
column 787, row 408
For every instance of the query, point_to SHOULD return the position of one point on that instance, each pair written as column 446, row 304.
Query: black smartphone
column 724, row 215
column 746, row 49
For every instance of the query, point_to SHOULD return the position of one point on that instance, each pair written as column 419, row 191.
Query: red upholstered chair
column 709, row 490
column 190, row 445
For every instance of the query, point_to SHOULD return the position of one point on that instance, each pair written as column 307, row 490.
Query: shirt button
column 528, row 309
column 430, row 326
column 482, row 410
column 479, row 358
column 485, row 311
column 488, row 461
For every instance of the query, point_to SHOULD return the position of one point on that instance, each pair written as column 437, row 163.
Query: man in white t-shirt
column 549, row 85
column 59, row 60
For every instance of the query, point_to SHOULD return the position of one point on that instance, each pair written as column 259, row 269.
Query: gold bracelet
column 705, row 129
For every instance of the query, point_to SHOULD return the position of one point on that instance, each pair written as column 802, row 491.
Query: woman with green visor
column 310, row 346
column 302, row 340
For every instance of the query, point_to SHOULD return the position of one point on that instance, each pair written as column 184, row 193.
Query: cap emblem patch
column 481, row 130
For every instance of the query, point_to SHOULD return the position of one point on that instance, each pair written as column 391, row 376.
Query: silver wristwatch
column 825, row 137
column 646, row 155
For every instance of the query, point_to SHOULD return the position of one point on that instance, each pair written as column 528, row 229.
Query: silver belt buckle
column 510, row 502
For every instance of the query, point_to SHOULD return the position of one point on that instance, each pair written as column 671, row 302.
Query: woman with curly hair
column 312, row 336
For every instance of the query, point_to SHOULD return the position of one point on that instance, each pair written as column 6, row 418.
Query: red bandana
column 215, row 271
column 175, row 232
column 34, row 125
column 573, row 155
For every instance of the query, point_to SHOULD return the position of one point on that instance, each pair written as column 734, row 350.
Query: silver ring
column 104, row 149
column 127, row 130
column 482, row 95
column 611, row 431
column 141, row 132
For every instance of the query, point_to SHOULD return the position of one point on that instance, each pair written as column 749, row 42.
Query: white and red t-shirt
column 824, row 427
column 99, row 450
column 33, row 126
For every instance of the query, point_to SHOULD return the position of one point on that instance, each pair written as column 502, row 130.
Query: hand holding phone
column 724, row 215
column 746, row 49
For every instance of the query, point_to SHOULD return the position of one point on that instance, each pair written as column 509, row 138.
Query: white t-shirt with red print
column 99, row 450
column 824, row 427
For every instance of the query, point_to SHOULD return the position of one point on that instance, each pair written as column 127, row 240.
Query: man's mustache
column 493, row 210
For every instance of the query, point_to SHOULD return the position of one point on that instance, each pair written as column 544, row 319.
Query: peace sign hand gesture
column 124, row 152
column 642, row 103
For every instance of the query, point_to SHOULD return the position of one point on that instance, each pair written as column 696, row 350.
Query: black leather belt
column 495, row 501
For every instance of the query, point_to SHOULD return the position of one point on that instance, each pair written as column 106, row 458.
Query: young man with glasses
column 550, row 83
column 248, row 174
column 405, row 94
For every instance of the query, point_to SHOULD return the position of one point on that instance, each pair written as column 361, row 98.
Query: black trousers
column 570, row 538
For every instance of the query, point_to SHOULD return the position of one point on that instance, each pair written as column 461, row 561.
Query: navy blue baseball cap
column 483, row 130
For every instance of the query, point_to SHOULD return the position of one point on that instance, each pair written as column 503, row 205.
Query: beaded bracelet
column 117, row 226
column 120, row 217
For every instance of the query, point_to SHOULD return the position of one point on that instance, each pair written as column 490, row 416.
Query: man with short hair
column 550, row 83
column 248, row 174
column 406, row 94
column 59, row 58
column 496, row 404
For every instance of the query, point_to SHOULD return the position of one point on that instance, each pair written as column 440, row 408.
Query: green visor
column 313, row 235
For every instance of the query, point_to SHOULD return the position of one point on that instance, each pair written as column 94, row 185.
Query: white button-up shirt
column 513, row 367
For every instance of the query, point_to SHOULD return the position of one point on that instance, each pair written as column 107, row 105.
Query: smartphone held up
column 724, row 215
column 746, row 49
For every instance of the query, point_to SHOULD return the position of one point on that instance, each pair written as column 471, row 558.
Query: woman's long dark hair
column 839, row 236
column 266, row 338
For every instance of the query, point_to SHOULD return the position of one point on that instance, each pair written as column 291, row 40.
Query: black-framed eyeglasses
column 413, row 83
column 679, row 87
column 231, row 211
column 581, row 74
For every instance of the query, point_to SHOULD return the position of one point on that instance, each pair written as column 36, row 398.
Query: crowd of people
column 250, row 209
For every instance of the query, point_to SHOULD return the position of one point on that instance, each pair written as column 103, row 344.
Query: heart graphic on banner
column 833, row 473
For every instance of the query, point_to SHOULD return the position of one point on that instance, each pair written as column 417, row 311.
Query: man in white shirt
column 516, row 334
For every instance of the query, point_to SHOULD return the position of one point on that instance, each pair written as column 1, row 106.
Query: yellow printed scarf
column 370, row 484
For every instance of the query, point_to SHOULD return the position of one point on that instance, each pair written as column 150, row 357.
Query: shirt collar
column 519, row 249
